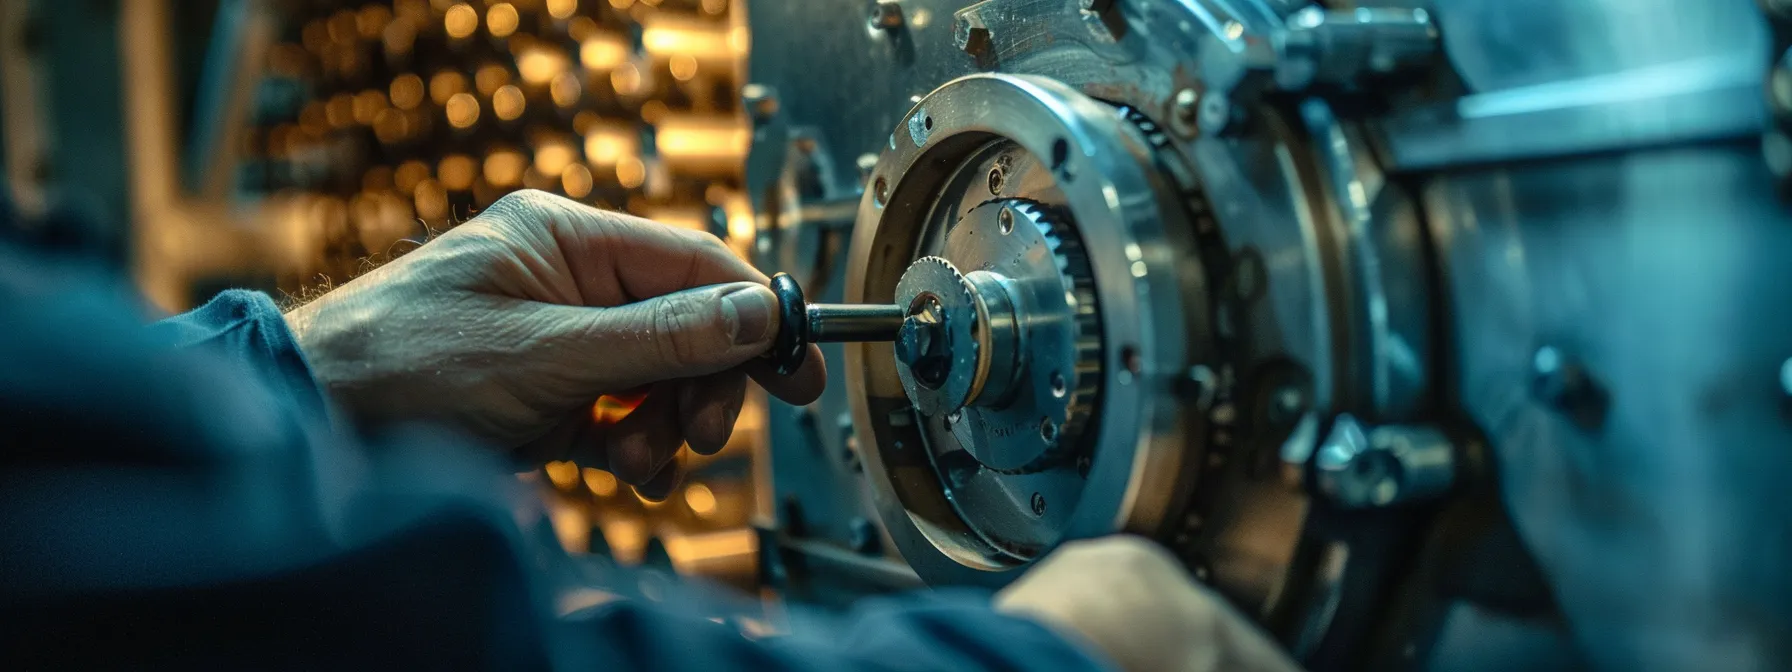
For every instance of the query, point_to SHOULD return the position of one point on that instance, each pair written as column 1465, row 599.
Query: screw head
column 861, row 536
column 921, row 344
column 1185, row 113
column 1566, row 385
column 760, row 101
column 1038, row 504
column 884, row 15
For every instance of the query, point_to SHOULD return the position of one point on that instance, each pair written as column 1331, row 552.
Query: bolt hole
column 880, row 191
column 1060, row 153
column 1058, row 384
column 997, row 180
column 1048, row 430
column 1129, row 357
column 1005, row 221
column 927, row 122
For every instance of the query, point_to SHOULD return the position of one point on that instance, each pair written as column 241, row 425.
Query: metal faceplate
column 1553, row 254
column 980, row 527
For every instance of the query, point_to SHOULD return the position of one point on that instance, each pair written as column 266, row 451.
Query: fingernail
column 753, row 308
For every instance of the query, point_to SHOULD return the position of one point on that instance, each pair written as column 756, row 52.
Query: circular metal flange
column 954, row 520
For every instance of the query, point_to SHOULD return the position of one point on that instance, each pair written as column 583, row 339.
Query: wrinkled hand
column 511, row 325
column 1133, row 601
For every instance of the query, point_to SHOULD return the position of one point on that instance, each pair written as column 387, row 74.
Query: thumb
column 684, row 334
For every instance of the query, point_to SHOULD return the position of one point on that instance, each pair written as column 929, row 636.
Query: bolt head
column 862, row 536
column 884, row 15
column 921, row 343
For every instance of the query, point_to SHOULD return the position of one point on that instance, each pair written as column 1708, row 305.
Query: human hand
column 1133, row 601
column 511, row 325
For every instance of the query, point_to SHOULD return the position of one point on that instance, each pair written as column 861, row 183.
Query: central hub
column 995, row 355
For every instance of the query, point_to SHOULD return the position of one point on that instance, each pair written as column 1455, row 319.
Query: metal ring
column 1106, row 174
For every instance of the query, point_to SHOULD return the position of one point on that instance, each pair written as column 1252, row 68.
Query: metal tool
column 801, row 323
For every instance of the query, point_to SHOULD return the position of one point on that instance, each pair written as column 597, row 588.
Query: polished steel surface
column 1517, row 259
column 1098, row 172
column 840, row 323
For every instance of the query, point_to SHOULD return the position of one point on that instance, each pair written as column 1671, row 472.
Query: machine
column 1432, row 334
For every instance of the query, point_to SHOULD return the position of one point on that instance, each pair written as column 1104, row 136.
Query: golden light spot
column 740, row 40
column 603, row 51
column 715, row 6
column 445, row 84
column 631, row 172
column 539, row 65
column 564, row 475
column 622, row 4
column 407, row 91
column 561, row 9
column 504, row 168
column 463, row 110
column 606, row 145
column 583, row 121
column 701, row 499
column 399, row 38
column 576, row 181
column 566, row 90
column 684, row 67
column 460, row 21
column 371, row 20
column 431, row 200
column 457, row 172
column 340, row 110
column 489, row 77
column 600, row 482
column 580, row 28
column 342, row 27
column 409, row 174
column 508, row 102
column 368, row 105
column 391, row 126
column 653, row 110
column 501, row 19
column 552, row 158
column 626, row 79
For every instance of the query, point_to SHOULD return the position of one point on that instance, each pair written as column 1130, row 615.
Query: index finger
column 610, row 251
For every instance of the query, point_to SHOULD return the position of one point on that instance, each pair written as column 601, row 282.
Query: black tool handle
column 800, row 323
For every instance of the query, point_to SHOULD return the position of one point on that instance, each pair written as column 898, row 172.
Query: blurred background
column 290, row 145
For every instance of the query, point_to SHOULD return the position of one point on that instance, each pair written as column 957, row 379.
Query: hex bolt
column 862, row 537
column 884, row 15
column 1358, row 467
column 760, row 102
column 1185, row 114
column 1565, row 384
column 921, row 345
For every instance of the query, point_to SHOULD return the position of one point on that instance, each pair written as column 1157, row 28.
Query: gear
column 1079, row 291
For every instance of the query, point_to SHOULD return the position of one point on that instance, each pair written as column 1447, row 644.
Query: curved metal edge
column 1136, row 274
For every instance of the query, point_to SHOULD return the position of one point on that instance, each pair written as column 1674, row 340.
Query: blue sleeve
column 891, row 634
column 180, row 493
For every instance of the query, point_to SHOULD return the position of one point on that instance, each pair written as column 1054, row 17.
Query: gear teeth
column 1079, row 287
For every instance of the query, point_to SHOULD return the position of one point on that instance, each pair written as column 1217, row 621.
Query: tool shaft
column 852, row 323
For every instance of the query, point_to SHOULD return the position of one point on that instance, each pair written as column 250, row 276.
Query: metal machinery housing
column 1433, row 334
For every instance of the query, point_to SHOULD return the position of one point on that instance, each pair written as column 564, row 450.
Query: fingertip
column 660, row 487
column 709, row 407
column 803, row 386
